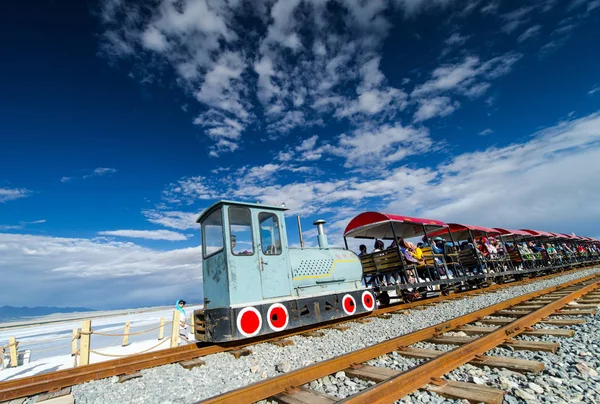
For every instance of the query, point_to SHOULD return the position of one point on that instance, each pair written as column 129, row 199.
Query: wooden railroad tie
column 521, row 313
column 574, row 312
column 455, row 390
column 340, row 327
column 592, row 301
column 471, row 392
column 385, row 316
column 238, row 353
column 363, row 320
column 62, row 396
column 313, row 334
column 192, row 363
column 129, row 376
column 514, row 364
column 300, row 395
column 512, row 343
column 282, row 342
column 578, row 305
column 399, row 312
column 537, row 332
column 546, row 321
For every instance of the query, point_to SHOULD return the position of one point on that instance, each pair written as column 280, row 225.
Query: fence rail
column 81, row 341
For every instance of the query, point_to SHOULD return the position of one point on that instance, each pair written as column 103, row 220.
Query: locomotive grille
column 313, row 267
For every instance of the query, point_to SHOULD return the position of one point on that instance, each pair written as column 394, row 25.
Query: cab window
column 212, row 233
column 240, row 229
column 270, row 240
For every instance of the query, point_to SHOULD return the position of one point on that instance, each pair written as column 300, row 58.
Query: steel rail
column 417, row 377
column 31, row 385
column 268, row 388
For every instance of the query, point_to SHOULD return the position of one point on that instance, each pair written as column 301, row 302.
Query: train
column 255, row 283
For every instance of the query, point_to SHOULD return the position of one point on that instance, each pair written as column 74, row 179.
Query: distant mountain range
column 11, row 313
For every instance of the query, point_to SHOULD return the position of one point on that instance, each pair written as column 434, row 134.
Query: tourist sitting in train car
column 526, row 253
column 396, row 243
column 415, row 251
column 467, row 245
column 533, row 247
column 498, row 245
column 437, row 245
column 482, row 246
column 362, row 250
column 378, row 246
column 553, row 253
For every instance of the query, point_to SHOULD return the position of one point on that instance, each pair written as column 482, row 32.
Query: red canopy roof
column 379, row 225
column 461, row 231
column 508, row 232
column 539, row 233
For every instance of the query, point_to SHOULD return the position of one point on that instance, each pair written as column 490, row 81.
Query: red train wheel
column 349, row 305
column 368, row 301
column 249, row 322
column 277, row 317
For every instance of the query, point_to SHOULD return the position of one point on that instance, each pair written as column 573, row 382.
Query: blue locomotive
column 255, row 283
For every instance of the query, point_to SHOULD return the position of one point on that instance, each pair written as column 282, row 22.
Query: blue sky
column 121, row 121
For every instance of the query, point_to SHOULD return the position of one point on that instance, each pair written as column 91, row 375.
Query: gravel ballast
column 575, row 364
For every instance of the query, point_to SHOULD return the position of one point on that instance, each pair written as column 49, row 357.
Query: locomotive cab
column 249, row 283
column 243, row 254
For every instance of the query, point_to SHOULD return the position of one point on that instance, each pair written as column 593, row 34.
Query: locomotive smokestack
column 321, row 234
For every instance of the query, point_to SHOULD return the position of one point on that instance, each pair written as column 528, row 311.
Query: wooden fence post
column 74, row 342
column 14, row 359
column 175, row 329
column 192, row 326
column 126, row 336
column 86, row 333
column 161, row 330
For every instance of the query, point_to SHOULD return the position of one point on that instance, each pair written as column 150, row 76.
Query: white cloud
column 456, row 39
column 490, row 8
column 146, row 234
column 514, row 19
column 93, row 273
column 472, row 187
column 435, row 107
column 297, row 64
column 21, row 225
column 189, row 190
column 370, row 147
column 486, row 132
column 173, row 219
column 96, row 172
column 529, row 33
column 101, row 171
column 589, row 5
column 465, row 77
column 10, row 194
column 594, row 90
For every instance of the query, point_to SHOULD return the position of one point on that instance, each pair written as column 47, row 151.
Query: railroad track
column 525, row 311
column 29, row 386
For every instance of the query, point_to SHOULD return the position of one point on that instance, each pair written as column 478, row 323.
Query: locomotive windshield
column 212, row 233
column 270, row 239
column 240, row 228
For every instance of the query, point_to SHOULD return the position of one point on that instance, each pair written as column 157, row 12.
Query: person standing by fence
column 183, row 326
